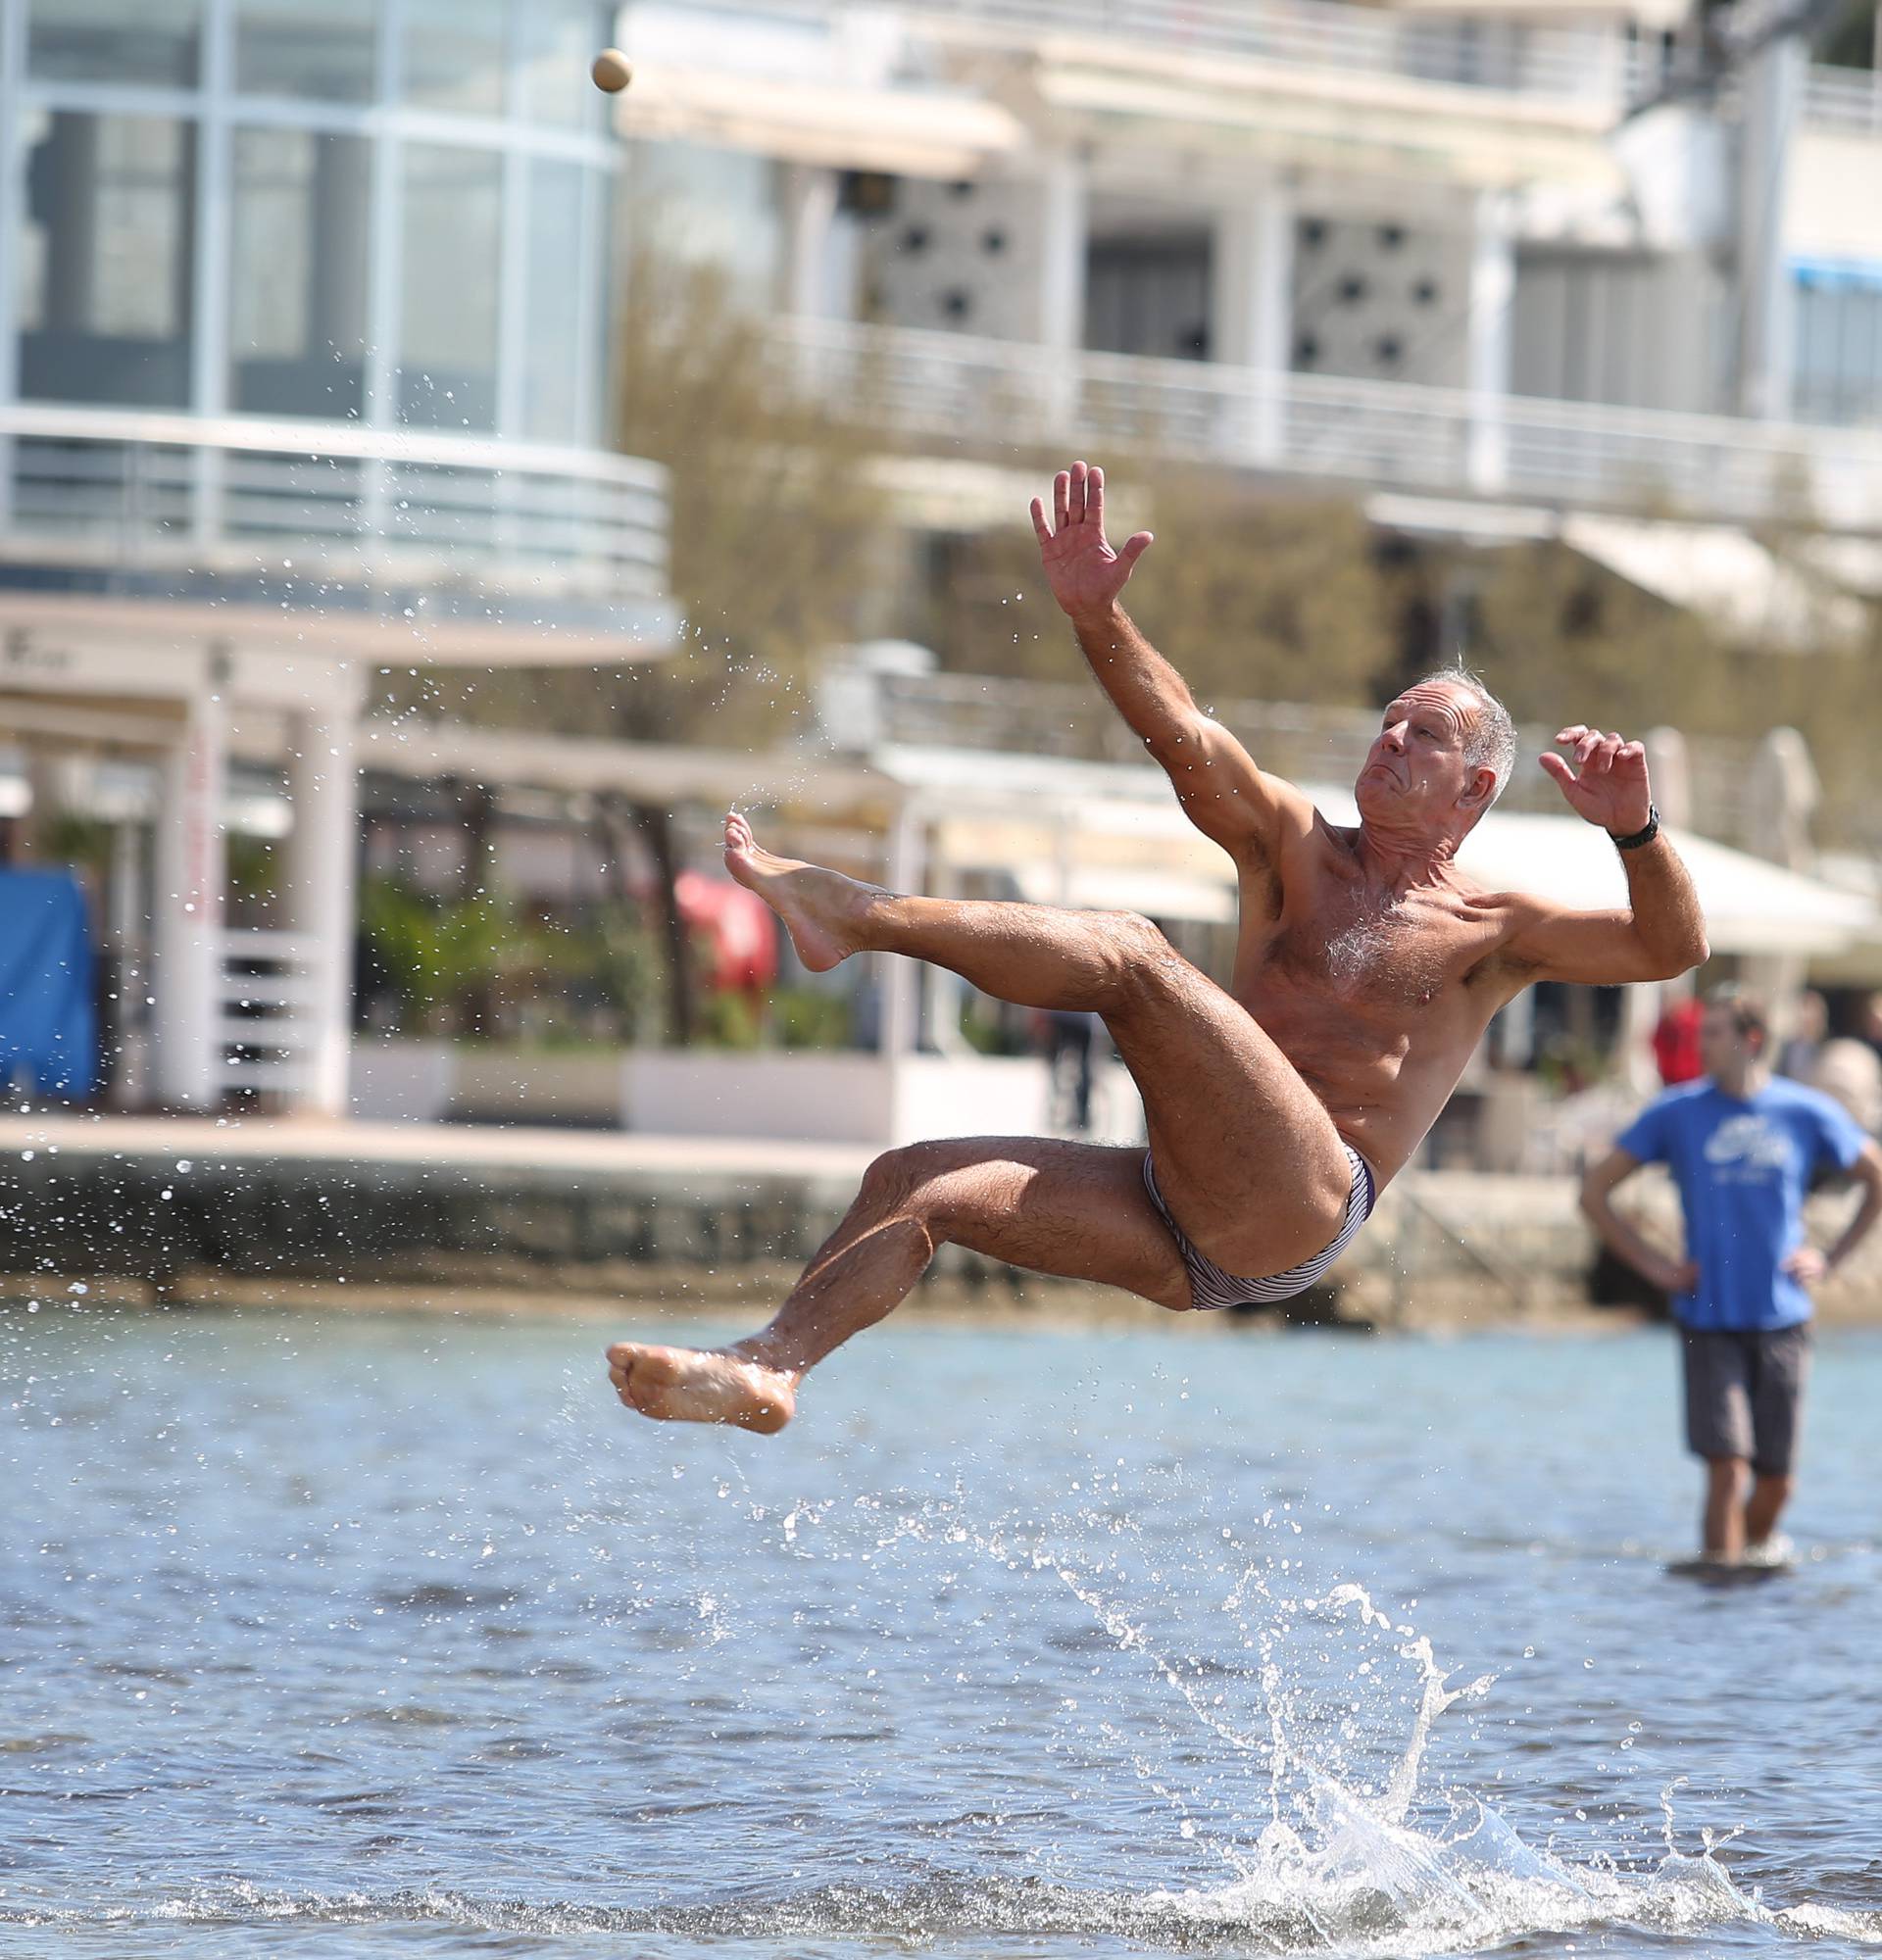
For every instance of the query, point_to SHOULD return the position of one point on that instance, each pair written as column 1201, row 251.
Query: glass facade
column 154, row 41
column 106, row 254
column 454, row 58
column 1839, row 342
column 316, row 50
column 554, row 336
column 298, row 269
column 377, row 209
column 453, row 218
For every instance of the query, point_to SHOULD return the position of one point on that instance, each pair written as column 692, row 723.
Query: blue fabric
column 1742, row 1169
column 48, row 1024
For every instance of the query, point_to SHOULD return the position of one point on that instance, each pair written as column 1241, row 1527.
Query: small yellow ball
column 613, row 71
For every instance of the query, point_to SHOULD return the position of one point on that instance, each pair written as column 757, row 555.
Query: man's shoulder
column 1781, row 1093
column 1683, row 1097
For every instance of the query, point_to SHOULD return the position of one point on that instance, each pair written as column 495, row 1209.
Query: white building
column 1470, row 250
column 302, row 375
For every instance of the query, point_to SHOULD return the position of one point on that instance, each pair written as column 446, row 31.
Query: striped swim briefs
column 1209, row 1285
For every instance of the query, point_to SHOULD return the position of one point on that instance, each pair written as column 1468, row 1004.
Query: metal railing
column 1574, row 64
column 1588, row 66
column 263, row 1025
column 1304, row 743
column 301, row 502
column 1848, row 100
column 1003, row 395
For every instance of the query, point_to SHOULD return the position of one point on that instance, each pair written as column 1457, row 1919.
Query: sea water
column 326, row 1633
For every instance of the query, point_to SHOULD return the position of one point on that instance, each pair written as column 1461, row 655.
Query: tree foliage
column 1250, row 594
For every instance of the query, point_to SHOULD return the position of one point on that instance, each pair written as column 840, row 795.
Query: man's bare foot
column 821, row 908
column 701, row 1385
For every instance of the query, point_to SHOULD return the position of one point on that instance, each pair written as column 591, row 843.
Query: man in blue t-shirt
column 1743, row 1146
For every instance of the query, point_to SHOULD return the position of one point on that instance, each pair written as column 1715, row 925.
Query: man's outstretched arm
column 1661, row 931
column 1621, row 1236
column 1217, row 781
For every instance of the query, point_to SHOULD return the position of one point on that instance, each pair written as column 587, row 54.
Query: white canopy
column 1130, row 846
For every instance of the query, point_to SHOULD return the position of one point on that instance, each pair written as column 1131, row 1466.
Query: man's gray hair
column 1491, row 742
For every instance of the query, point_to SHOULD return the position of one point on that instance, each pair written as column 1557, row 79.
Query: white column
column 898, row 977
column 186, row 977
column 810, row 222
column 1253, row 325
column 1064, row 238
column 1493, row 292
column 323, row 853
column 1772, row 88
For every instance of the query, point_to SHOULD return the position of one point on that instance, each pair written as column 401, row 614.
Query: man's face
column 1723, row 1049
column 1415, row 770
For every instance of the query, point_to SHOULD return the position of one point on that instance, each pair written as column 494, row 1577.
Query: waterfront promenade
column 184, row 1208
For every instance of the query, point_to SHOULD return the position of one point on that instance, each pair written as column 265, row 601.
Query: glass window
column 558, row 303
column 297, row 273
column 711, row 207
column 150, row 41
column 324, row 50
column 1838, row 374
column 560, row 38
column 453, row 237
column 106, row 260
column 453, row 54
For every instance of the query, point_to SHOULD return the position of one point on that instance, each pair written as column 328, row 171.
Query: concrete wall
column 809, row 1096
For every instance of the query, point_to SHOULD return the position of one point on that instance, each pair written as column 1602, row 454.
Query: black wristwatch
column 1644, row 835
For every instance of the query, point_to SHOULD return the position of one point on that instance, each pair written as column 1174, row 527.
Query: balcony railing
column 925, row 386
column 305, row 503
column 1591, row 67
column 1848, row 100
column 1465, row 52
column 1304, row 743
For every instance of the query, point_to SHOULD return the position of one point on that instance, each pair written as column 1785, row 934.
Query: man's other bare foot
column 701, row 1385
column 820, row 910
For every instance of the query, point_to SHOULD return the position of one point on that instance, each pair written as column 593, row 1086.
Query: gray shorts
column 1745, row 1394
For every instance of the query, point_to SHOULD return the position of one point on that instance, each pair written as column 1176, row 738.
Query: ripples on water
column 396, row 1634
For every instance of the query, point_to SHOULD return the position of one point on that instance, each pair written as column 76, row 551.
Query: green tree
column 1250, row 594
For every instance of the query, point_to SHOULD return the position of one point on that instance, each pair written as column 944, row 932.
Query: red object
column 1676, row 1043
column 740, row 925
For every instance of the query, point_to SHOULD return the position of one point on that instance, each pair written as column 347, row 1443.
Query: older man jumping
column 1366, row 970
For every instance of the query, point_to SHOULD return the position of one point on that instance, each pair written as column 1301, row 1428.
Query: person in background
column 1070, row 1038
column 1742, row 1146
column 1809, row 1024
column 1676, row 1043
column 1869, row 1022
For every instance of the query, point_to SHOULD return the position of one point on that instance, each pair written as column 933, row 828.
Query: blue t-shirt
column 1742, row 1169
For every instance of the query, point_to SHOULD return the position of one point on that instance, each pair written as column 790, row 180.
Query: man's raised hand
column 1085, row 574
column 1608, row 782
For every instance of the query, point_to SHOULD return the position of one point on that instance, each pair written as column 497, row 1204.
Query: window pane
column 453, row 54
column 453, row 239
column 711, row 207
column 297, row 286
column 560, row 38
column 105, row 259
column 558, row 303
column 323, row 49
column 151, row 41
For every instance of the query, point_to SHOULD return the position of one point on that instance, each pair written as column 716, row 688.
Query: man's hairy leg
column 1075, row 1211
column 1247, row 1157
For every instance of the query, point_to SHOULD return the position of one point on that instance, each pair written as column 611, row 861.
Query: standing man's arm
column 1806, row 1265
column 1662, row 932
column 1620, row 1236
column 1221, row 791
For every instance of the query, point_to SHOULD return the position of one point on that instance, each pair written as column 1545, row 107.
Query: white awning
column 1721, row 573
column 1749, row 905
column 904, row 132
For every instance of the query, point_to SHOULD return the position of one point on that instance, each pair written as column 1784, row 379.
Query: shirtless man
column 1367, row 971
